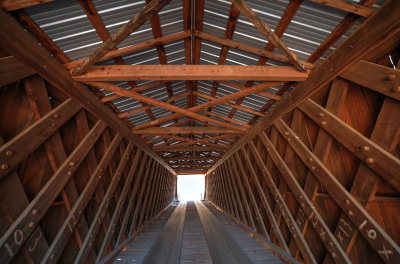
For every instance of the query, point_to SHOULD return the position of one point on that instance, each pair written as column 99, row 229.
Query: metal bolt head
column 369, row 160
column 35, row 211
column 396, row 89
column 9, row 153
column 390, row 77
column 310, row 159
column 52, row 256
column 347, row 202
column 330, row 243
column 287, row 133
column 321, row 114
column 333, row 254
column 56, row 116
column 364, row 148
column 31, row 224
column 4, row 166
column 312, row 168
column 71, row 163
column 69, row 173
column 53, row 124
column 350, row 213
column 323, row 123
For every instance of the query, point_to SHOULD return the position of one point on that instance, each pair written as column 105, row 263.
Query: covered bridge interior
column 289, row 107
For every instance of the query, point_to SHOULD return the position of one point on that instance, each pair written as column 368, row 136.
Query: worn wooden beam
column 376, row 77
column 374, row 156
column 248, row 12
column 382, row 25
column 186, row 130
column 352, row 8
column 190, row 72
column 135, row 48
column 12, row 70
column 27, row 220
column 34, row 135
column 368, row 227
column 149, row 10
column 10, row 5
column 21, row 45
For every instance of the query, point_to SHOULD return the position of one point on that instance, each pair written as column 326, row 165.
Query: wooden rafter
column 179, row 111
column 149, row 10
column 214, row 102
column 352, row 8
column 266, row 31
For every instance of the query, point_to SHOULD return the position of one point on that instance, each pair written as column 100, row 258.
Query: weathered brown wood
column 267, row 32
column 26, row 221
column 144, row 206
column 89, row 239
column 254, row 204
column 375, row 157
column 376, row 77
column 149, row 10
column 75, row 214
column 190, row 72
column 368, row 227
column 35, row 135
column 119, row 206
column 178, row 111
column 134, row 223
column 317, row 221
column 337, row 33
column 138, row 178
column 380, row 26
column 352, row 8
column 322, row 147
column 41, row 105
column 247, row 48
column 12, row 70
column 266, row 205
column 135, row 48
column 191, row 158
column 366, row 181
column 214, row 102
column 13, row 201
column 19, row 44
column 10, row 5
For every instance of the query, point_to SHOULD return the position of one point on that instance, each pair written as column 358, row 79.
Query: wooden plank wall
column 322, row 182
column 72, row 190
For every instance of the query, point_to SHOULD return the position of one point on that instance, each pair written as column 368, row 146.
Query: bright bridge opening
column 191, row 187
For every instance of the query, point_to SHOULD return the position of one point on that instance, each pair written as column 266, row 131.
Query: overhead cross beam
column 191, row 72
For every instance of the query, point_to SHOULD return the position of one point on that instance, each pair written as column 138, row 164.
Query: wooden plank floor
column 195, row 233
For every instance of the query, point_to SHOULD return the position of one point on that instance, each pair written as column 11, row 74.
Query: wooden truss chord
column 186, row 158
column 376, row 77
column 190, row 148
column 190, row 72
column 374, row 156
column 12, row 70
column 367, row 226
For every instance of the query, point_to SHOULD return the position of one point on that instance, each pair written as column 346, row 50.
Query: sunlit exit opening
column 191, row 187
